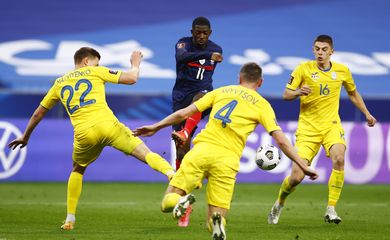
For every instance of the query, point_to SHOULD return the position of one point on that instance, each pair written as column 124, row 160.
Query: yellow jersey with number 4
column 236, row 111
column 320, row 109
column 82, row 92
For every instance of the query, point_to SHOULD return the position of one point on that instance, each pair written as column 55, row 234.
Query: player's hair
column 251, row 72
column 201, row 21
column 324, row 38
column 85, row 52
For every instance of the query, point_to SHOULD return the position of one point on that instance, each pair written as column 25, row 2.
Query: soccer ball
column 267, row 157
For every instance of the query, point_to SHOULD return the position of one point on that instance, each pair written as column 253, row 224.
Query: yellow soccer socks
column 335, row 185
column 159, row 164
column 75, row 184
column 285, row 190
column 169, row 202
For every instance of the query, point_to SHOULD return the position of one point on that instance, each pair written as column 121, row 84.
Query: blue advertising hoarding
column 48, row 155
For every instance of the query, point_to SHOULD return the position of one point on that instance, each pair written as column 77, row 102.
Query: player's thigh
column 222, row 178
column 192, row 170
column 86, row 147
column 122, row 139
column 334, row 136
column 308, row 146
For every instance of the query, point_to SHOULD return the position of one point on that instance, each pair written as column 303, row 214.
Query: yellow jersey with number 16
column 320, row 109
column 82, row 92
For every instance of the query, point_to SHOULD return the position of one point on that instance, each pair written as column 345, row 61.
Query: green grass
column 131, row 211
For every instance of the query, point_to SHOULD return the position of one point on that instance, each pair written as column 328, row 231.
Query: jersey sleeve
column 183, row 55
column 295, row 79
column 108, row 75
column 349, row 83
column 50, row 99
column 268, row 119
column 206, row 101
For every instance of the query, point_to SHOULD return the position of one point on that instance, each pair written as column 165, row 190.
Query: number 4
column 225, row 118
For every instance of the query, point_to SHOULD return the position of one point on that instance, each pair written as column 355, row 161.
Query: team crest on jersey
column 315, row 76
column 291, row 80
column 113, row 72
column 181, row 45
column 334, row 75
column 202, row 61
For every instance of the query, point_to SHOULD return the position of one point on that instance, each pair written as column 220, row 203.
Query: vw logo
column 10, row 160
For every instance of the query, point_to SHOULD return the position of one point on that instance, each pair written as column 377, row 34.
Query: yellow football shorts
column 88, row 144
column 217, row 164
column 308, row 144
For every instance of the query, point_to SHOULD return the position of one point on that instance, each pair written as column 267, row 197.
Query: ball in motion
column 267, row 157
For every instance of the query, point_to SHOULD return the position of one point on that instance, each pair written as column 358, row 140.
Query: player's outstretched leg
column 184, row 203
column 331, row 215
column 217, row 226
column 273, row 216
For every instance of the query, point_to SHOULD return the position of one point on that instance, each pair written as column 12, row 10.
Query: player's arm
column 358, row 101
column 290, row 94
column 182, row 55
column 34, row 121
column 131, row 76
column 285, row 145
column 172, row 119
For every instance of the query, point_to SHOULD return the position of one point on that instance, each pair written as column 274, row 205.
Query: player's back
column 236, row 111
column 82, row 92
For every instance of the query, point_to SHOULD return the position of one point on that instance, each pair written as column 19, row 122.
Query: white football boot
column 218, row 227
column 331, row 215
column 180, row 209
column 273, row 216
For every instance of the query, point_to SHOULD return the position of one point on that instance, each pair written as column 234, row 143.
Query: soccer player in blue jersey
column 196, row 60
column 82, row 92
column 236, row 112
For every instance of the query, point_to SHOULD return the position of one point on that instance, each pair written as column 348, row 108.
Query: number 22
column 82, row 97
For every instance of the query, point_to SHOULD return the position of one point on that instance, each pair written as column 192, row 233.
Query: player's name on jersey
column 74, row 74
column 242, row 93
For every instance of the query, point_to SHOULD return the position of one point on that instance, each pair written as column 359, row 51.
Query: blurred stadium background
column 38, row 39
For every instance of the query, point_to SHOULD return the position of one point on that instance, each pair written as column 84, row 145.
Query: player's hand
column 19, row 141
column 145, row 131
column 370, row 120
column 216, row 56
column 136, row 58
column 311, row 173
column 304, row 90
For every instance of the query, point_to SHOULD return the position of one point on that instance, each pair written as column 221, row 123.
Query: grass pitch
column 132, row 211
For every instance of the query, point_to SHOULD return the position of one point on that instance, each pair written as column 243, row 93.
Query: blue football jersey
column 194, row 68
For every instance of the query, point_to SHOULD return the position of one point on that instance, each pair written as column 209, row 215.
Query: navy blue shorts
column 183, row 104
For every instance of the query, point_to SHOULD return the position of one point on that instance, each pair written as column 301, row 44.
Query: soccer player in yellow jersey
column 82, row 92
column 236, row 111
column 318, row 84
